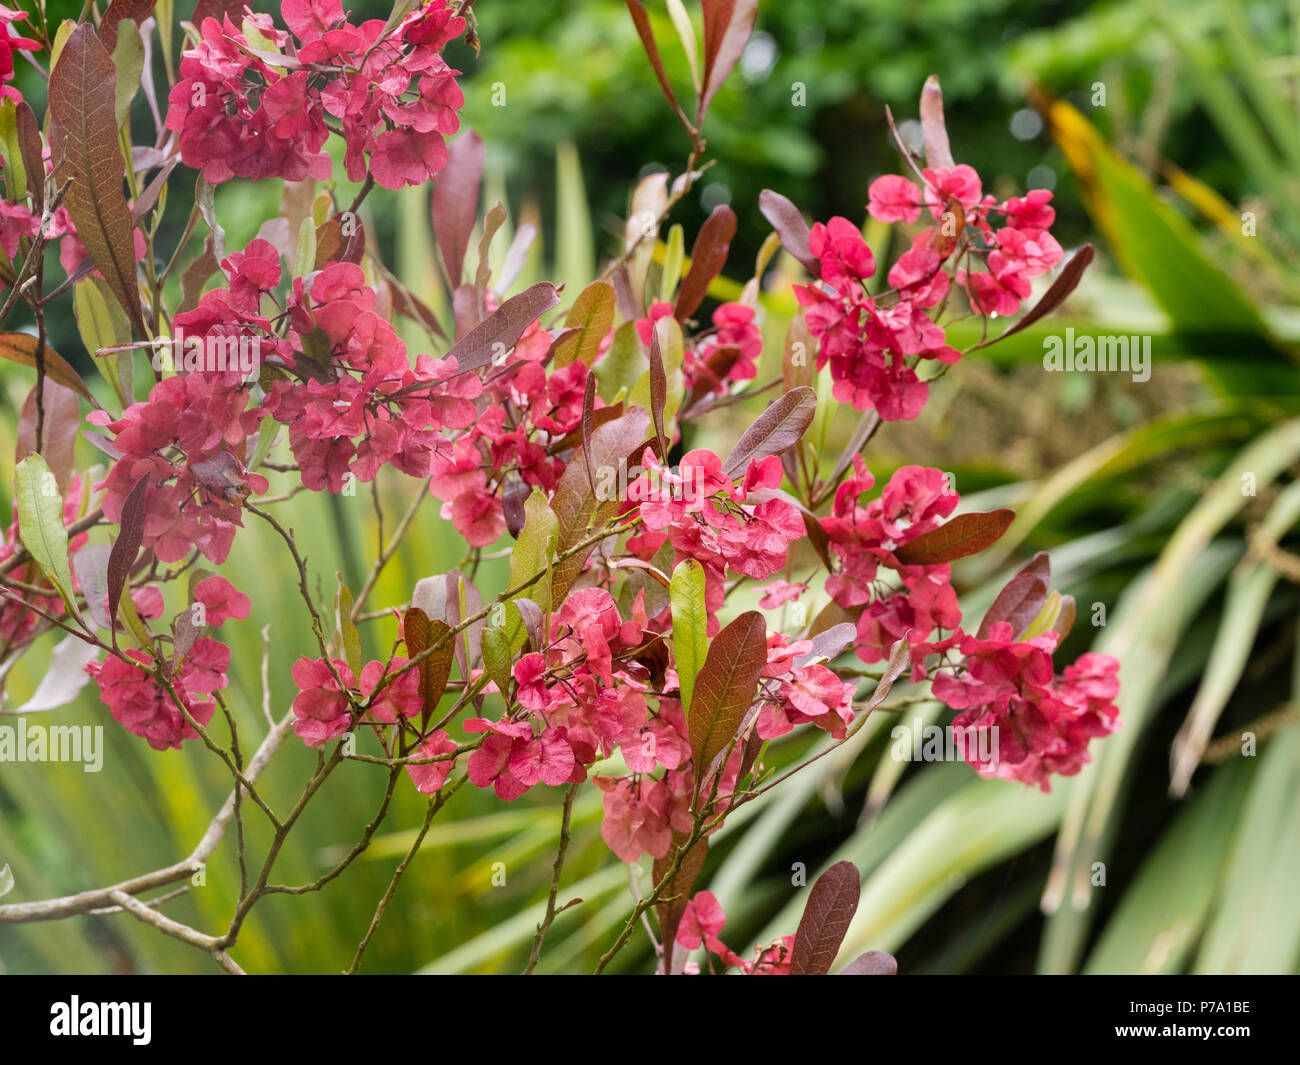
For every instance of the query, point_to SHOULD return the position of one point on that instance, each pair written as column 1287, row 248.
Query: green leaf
column 590, row 318
column 40, row 525
column 690, row 623
column 674, row 256
column 128, row 61
column 103, row 324
column 1256, row 925
column 624, row 364
column 349, row 637
column 14, row 171
column 535, row 548
column 496, row 659
column 306, row 247
column 1162, row 912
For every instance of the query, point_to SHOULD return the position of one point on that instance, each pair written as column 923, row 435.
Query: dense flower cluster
column 1043, row 723
column 869, row 340
column 147, row 708
column 865, row 538
column 726, row 525
column 352, row 401
column 263, row 107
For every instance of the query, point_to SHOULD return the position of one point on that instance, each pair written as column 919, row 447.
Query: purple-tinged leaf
column 780, row 426
column 678, row 892
column 966, row 534
column 727, row 27
column 577, row 507
column 455, row 201
column 1022, row 598
column 84, row 144
column 708, row 257
column 642, row 22
column 832, row 903
column 29, row 147
column 658, row 390
column 872, row 963
column 90, row 567
column 895, row 666
column 59, row 432
column 500, row 331
column 790, row 227
column 126, row 546
column 725, row 687
column 829, row 644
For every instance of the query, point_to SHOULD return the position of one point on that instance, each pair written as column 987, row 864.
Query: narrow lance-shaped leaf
column 59, row 432
column 937, row 152
column 29, row 147
column 40, row 526
column 895, row 667
column 658, row 393
column 708, row 256
column 725, row 687
column 126, row 546
column 1066, row 282
column 966, row 534
column 690, row 625
column 21, row 348
column 777, row 428
column 727, row 26
column 84, row 141
column 790, row 227
column 501, row 330
column 642, row 22
column 587, row 426
column 455, row 201
column 832, row 902
column 349, row 637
